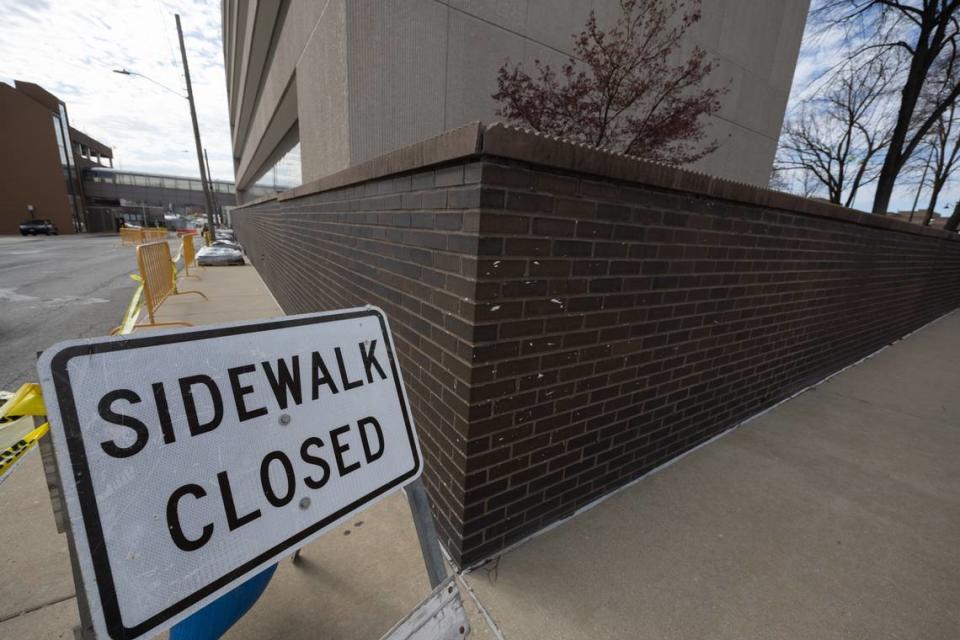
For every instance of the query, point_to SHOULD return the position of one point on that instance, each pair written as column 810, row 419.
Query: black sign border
column 81, row 475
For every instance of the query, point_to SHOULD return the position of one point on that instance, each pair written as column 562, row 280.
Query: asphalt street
column 54, row 289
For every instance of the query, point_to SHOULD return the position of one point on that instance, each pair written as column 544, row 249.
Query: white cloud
column 70, row 47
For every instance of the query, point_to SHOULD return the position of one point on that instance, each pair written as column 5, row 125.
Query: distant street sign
column 193, row 459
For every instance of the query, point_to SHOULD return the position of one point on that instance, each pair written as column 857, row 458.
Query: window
column 284, row 174
column 58, row 132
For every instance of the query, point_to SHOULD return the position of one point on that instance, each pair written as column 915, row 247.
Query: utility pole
column 213, row 191
column 196, row 130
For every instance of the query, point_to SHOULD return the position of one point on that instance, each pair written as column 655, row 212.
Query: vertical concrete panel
column 553, row 23
column 751, row 27
column 299, row 21
column 511, row 14
column 476, row 51
column 396, row 57
column 322, row 96
column 788, row 43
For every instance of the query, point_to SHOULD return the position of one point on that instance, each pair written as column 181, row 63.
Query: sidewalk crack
column 37, row 608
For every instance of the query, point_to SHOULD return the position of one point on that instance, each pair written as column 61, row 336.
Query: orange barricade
column 159, row 276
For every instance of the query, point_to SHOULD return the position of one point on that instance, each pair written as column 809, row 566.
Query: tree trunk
column 934, row 196
column 908, row 103
column 954, row 220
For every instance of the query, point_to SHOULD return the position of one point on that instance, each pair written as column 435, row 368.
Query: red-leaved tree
column 623, row 89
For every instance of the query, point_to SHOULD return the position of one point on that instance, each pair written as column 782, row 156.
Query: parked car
column 36, row 227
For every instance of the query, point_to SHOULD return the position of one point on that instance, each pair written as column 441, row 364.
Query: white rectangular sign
column 193, row 459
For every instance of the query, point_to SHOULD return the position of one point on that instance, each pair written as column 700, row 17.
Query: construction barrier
column 132, row 237
column 18, row 434
column 189, row 253
column 159, row 274
column 152, row 235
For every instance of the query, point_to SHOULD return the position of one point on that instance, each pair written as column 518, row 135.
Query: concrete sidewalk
column 835, row 515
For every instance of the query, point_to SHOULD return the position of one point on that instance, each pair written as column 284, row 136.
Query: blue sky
column 820, row 53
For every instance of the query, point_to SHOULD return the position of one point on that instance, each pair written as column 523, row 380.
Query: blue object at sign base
column 213, row 620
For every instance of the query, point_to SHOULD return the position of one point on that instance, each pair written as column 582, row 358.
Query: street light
column 127, row 72
column 207, row 196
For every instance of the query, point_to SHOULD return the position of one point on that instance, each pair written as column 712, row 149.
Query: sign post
column 191, row 460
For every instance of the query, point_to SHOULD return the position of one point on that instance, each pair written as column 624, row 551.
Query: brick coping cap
column 514, row 143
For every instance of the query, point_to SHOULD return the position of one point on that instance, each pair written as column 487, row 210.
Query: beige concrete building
column 316, row 86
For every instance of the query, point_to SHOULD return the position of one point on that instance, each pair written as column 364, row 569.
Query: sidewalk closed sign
column 191, row 460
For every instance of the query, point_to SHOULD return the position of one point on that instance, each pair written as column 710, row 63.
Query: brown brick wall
column 562, row 334
column 619, row 327
column 408, row 245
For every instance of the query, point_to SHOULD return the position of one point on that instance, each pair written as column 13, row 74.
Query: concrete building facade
column 330, row 84
column 40, row 170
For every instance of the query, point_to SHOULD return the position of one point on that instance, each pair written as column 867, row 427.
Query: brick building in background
column 42, row 160
column 315, row 87
column 568, row 320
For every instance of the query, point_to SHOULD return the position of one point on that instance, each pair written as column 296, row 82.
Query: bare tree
column 927, row 33
column 835, row 140
column 620, row 90
column 779, row 177
column 954, row 220
column 943, row 143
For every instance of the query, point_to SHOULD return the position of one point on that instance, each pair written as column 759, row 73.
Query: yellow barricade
column 153, row 235
column 131, row 237
column 18, row 434
column 189, row 253
column 159, row 280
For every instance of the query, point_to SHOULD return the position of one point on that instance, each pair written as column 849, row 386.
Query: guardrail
column 159, row 274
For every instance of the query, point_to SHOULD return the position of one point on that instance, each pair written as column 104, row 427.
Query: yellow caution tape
column 26, row 401
column 17, row 433
column 129, row 321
